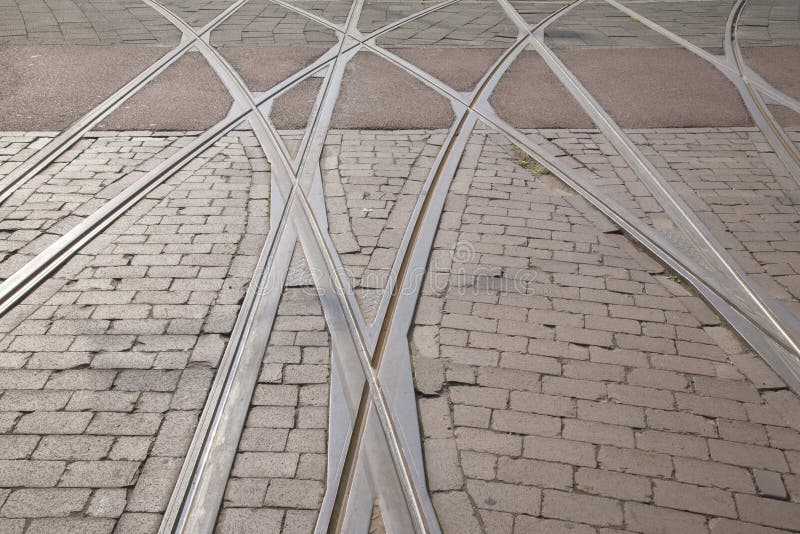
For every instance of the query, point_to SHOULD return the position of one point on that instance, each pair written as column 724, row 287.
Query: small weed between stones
column 522, row 159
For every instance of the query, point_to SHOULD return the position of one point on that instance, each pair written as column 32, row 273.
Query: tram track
column 398, row 302
column 353, row 323
column 767, row 334
column 293, row 190
column 299, row 218
column 66, row 139
column 24, row 280
column 721, row 63
column 749, row 85
column 784, row 326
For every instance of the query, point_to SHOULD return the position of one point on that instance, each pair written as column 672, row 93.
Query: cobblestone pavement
column 265, row 24
column 750, row 202
column 95, row 170
column 572, row 385
column 107, row 365
column 372, row 181
column 83, row 22
column 472, row 22
column 560, row 378
column 278, row 477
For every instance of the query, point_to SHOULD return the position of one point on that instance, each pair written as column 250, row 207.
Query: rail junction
column 464, row 266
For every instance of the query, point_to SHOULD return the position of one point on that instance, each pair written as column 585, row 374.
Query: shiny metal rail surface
column 762, row 333
column 775, row 134
column 749, row 85
column 767, row 312
column 390, row 331
column 195, row 501
column 721, row 63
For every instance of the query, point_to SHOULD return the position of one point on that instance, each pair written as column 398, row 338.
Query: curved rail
column 773, row 131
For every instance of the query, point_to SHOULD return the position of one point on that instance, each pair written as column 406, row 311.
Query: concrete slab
column 188, row 95
column 658, row 87
column 779, row 65
column 49, row 87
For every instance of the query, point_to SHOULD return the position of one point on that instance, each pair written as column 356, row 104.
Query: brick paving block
column 719, row 525
column 600, row 433
column 488, row 441
column 692, row 498
column 79, row 447
column 748, row 455
column 30, row 474
column 614, row 485
column 560, row 450
column 72, row 526
column 154, row 485
column 99, row 474
column 505, row 497
column 455, row 512
column 526, row 523
column 51, row 502
column 634, row 461
column 241, row 520
column 681, row 422
column 107, row 503
column 17, row 447
column 770, row 484
column 594, row 510
column 53, row 423
column 525, row 423
column 769, row 512
column 648, row 518
column 534, row 473
column 294, row 493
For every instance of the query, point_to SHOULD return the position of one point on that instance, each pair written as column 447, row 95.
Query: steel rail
column 63, row 141
column 415, row 250
column 353, row 323
column 197, row 495
column 30, row 275
column 478, row 95
column 237, row 88
column 778, row 320
column 773, row 131
column 733, row 67
column 774, row 350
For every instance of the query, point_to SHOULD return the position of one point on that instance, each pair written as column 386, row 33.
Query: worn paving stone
column 94, row 170
column 83, row 22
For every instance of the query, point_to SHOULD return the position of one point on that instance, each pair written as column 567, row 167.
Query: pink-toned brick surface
column 579, row 372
